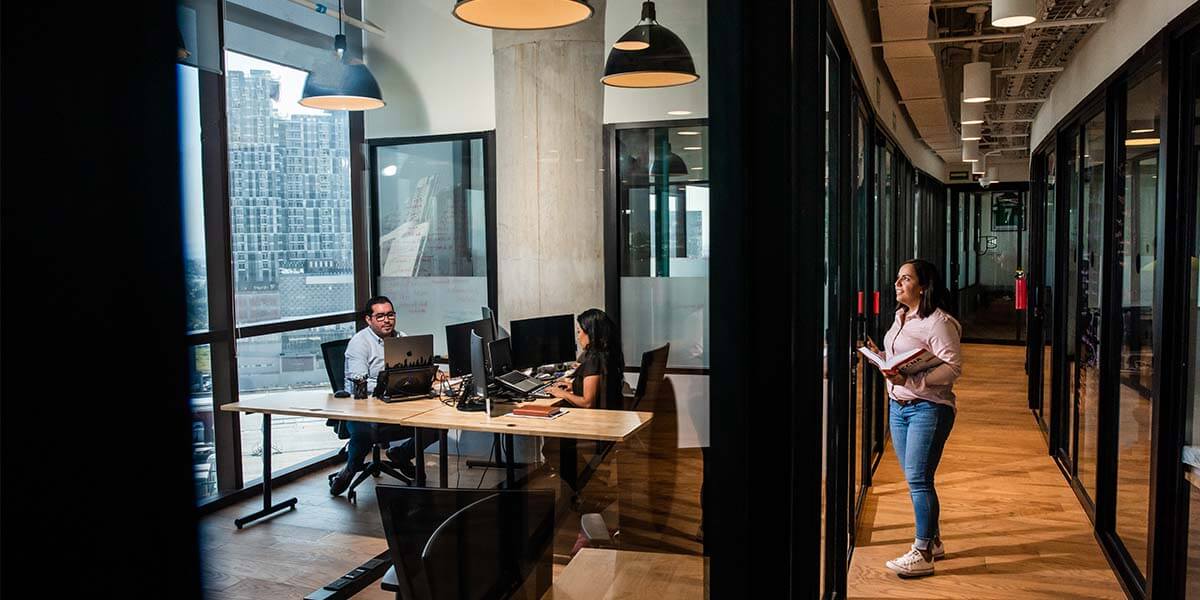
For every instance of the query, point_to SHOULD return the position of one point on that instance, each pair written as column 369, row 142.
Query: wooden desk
column 610, row 574
column 576, row 424
column 326, row 406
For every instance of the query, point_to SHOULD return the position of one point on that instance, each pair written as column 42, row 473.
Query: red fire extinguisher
column 1020, row 300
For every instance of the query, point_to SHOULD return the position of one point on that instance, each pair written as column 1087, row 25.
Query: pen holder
column 360, row 388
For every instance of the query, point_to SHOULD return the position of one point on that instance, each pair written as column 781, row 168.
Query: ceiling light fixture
column 1151, row 130
column 679, row 113
column 1013, row 13
column 1142, row 142
column 522, row 14
column 688, row 132
column 675, row 165
column 977, row 82
column 970, row 151
column 343, row 83
column 649, row 56
column 389, row 170
column 979, row 167
column 972, row 132
column 693, row 148
column 970, row 114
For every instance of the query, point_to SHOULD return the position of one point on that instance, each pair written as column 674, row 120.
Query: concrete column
column 549, row 149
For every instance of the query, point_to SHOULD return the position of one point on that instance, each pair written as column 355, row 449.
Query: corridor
column 1011, row 524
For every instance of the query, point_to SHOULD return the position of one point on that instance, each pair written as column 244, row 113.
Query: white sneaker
column 912, row 564
column 939, row 550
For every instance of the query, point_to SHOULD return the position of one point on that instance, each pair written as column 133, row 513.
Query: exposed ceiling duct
column 926, row 43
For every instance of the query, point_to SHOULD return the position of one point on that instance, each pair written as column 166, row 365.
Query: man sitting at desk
column 364, row 357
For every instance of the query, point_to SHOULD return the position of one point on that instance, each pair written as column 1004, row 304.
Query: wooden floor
column 296, row 552
column 1011, row 525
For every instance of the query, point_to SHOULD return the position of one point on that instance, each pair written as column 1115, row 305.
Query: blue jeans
column 919, row 433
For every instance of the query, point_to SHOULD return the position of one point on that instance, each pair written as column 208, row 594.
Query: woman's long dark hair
column 604, row 339
column 936, row 295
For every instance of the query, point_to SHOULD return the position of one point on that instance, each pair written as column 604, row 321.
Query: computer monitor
column 479, row 376
column 543, row 340
column 458, row 344
column 463, row 543
column 489, row 315
column 500, row 357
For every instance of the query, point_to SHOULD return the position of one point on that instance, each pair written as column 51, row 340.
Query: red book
column 536, row 410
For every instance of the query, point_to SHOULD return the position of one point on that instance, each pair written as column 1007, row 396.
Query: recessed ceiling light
column 389, row 170
column 688, row 132
column 1151, row 130
column 692, row 148
column 697, row 168
column 679, row 113
column 1142, row 142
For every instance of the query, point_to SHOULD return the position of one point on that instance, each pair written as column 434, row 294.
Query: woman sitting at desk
column 597, row 380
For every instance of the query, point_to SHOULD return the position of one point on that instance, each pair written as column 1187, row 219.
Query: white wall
column 1130, row 25
column 434, row 70
column 688, row 19
column 854, row 27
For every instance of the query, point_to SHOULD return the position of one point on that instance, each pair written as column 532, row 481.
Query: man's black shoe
column 402, row 458
column 338, row 482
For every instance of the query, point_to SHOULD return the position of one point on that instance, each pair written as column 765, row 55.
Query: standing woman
column 922, row 404
column 598, row 378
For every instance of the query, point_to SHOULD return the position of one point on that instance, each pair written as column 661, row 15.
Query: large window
column 289, row 195
column 292, row 241
column 663, row 215
column 268, row 242
column 430, row 204
column 196, row 273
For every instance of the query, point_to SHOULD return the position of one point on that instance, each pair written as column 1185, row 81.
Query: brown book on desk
column 537, row 410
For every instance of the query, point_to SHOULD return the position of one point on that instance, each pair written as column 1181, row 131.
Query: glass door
column 1088, row 310
column 1136, row 253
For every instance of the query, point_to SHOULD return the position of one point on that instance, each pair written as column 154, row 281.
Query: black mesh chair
column 334, row 354
column 454, row 544
column 650, row 379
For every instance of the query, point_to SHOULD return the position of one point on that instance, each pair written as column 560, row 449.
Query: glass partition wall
column 1115, row 292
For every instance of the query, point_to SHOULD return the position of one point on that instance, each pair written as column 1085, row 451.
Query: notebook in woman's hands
column 912, row 361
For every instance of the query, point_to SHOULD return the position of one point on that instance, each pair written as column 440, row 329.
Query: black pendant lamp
column 649, row 56
column 342, row 83
column 675, row 165
column 522, row 14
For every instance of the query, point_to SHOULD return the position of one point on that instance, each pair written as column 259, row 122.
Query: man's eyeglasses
column 383, row 316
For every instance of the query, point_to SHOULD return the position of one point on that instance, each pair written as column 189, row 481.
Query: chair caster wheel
column 352, row 497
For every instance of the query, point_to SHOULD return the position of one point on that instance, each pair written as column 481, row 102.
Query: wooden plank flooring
column 1011, row 525
column 648, row 488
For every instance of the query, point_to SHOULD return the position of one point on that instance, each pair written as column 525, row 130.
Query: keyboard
column 521, row 382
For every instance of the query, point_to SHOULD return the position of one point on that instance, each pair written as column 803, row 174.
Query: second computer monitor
column 543, row 340
column 458, row 343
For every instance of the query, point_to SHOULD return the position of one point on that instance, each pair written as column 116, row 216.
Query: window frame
column 488, row 138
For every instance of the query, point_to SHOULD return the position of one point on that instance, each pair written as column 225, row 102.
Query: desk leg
column 568, row 463
column 419, row 441
column 443, row 462
column 267, row 508
column 510, row 475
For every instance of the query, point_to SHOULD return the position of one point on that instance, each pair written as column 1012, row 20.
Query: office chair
column 479, row 544
column 650, row 380
column 334, row 354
